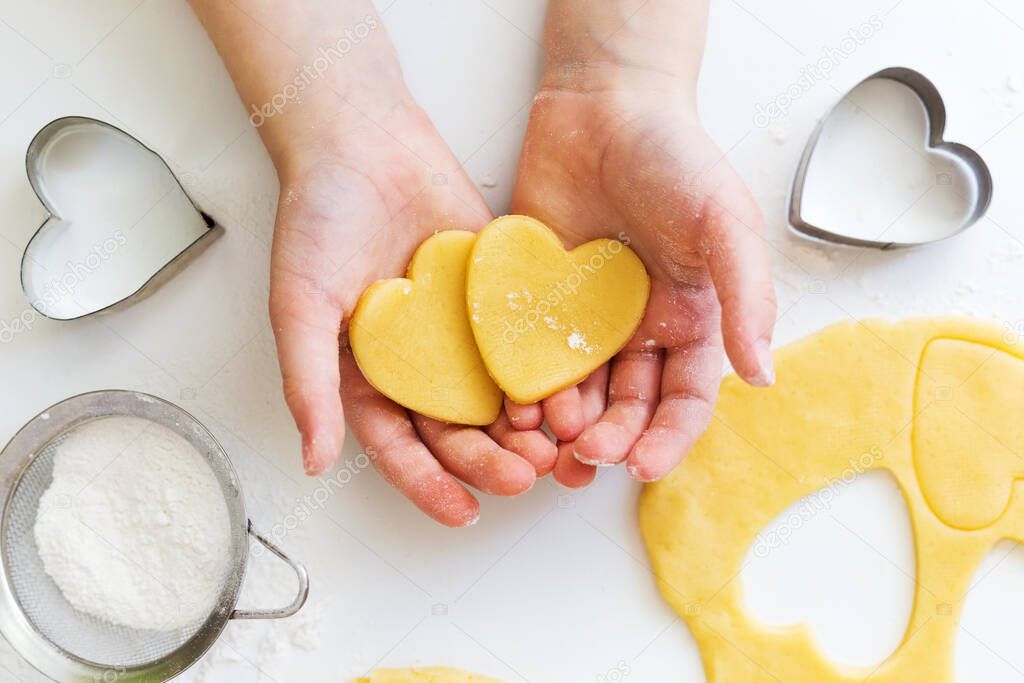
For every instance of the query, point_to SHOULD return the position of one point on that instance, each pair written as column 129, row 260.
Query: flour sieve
column 36, row 619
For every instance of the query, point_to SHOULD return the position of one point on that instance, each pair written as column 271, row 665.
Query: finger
column 689, row 387
column 388, row 437
column 594, row 395
column 632, row 396
column 306, row 326
column 740, row 269
column 533, row 446
column 564, row 413
column 593, row 398
column 569, row 471
column 524, row 416
column 473, row 457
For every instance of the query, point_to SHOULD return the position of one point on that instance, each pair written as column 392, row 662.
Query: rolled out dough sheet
column 936, row 402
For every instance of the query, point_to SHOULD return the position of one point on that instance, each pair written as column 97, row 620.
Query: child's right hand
column 365, row 178
column 357, row 197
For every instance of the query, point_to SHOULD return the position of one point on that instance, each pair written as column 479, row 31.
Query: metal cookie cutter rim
column 161, row 274
column 935, row 111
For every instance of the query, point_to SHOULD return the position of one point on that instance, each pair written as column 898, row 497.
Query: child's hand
column 352, row 214
column 614, row 148
column 365, row 178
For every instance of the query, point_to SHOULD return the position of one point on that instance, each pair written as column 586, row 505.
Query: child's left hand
column 625, row 155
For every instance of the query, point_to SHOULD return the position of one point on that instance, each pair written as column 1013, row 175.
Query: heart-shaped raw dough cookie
column 966, row 454
column 117, row 218
column 412, row 340
column 544, row 318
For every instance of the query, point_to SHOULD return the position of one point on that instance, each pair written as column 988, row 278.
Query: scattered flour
column 578, row 342
column 304, row 632
column 134, row 528
column 1007, row 252
column 264, row 648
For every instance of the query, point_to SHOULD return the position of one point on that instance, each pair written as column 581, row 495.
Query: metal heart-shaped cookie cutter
column 169, row 260
column 935, row 111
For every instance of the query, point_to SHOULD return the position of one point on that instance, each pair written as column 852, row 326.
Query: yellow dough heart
column 427, row 675
column 932, row 401
column 544, row 318
column 967, row 445
column 412, row 341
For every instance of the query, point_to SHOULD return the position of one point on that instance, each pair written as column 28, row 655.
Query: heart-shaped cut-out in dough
column 967, row 455
column 876, row 171
column 808, row 567
column 544, row 318
column 412, row 340
column 988, row 640
column 117, row 218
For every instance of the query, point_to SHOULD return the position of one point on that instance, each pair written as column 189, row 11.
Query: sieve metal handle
column 300, row 598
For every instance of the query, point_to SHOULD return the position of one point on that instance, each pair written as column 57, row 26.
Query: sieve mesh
column 77, row 634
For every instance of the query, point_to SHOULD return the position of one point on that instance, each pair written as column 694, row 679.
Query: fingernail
column 766, row 371
column 591, row 461
column 634, row 472
column 308, row 461
column 582, row 459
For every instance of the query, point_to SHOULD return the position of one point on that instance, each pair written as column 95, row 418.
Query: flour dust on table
column 134, row 528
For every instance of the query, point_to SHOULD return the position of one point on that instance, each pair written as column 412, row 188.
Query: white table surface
column 553, row 586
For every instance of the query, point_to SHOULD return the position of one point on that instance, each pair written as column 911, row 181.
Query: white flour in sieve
column 134, row 528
